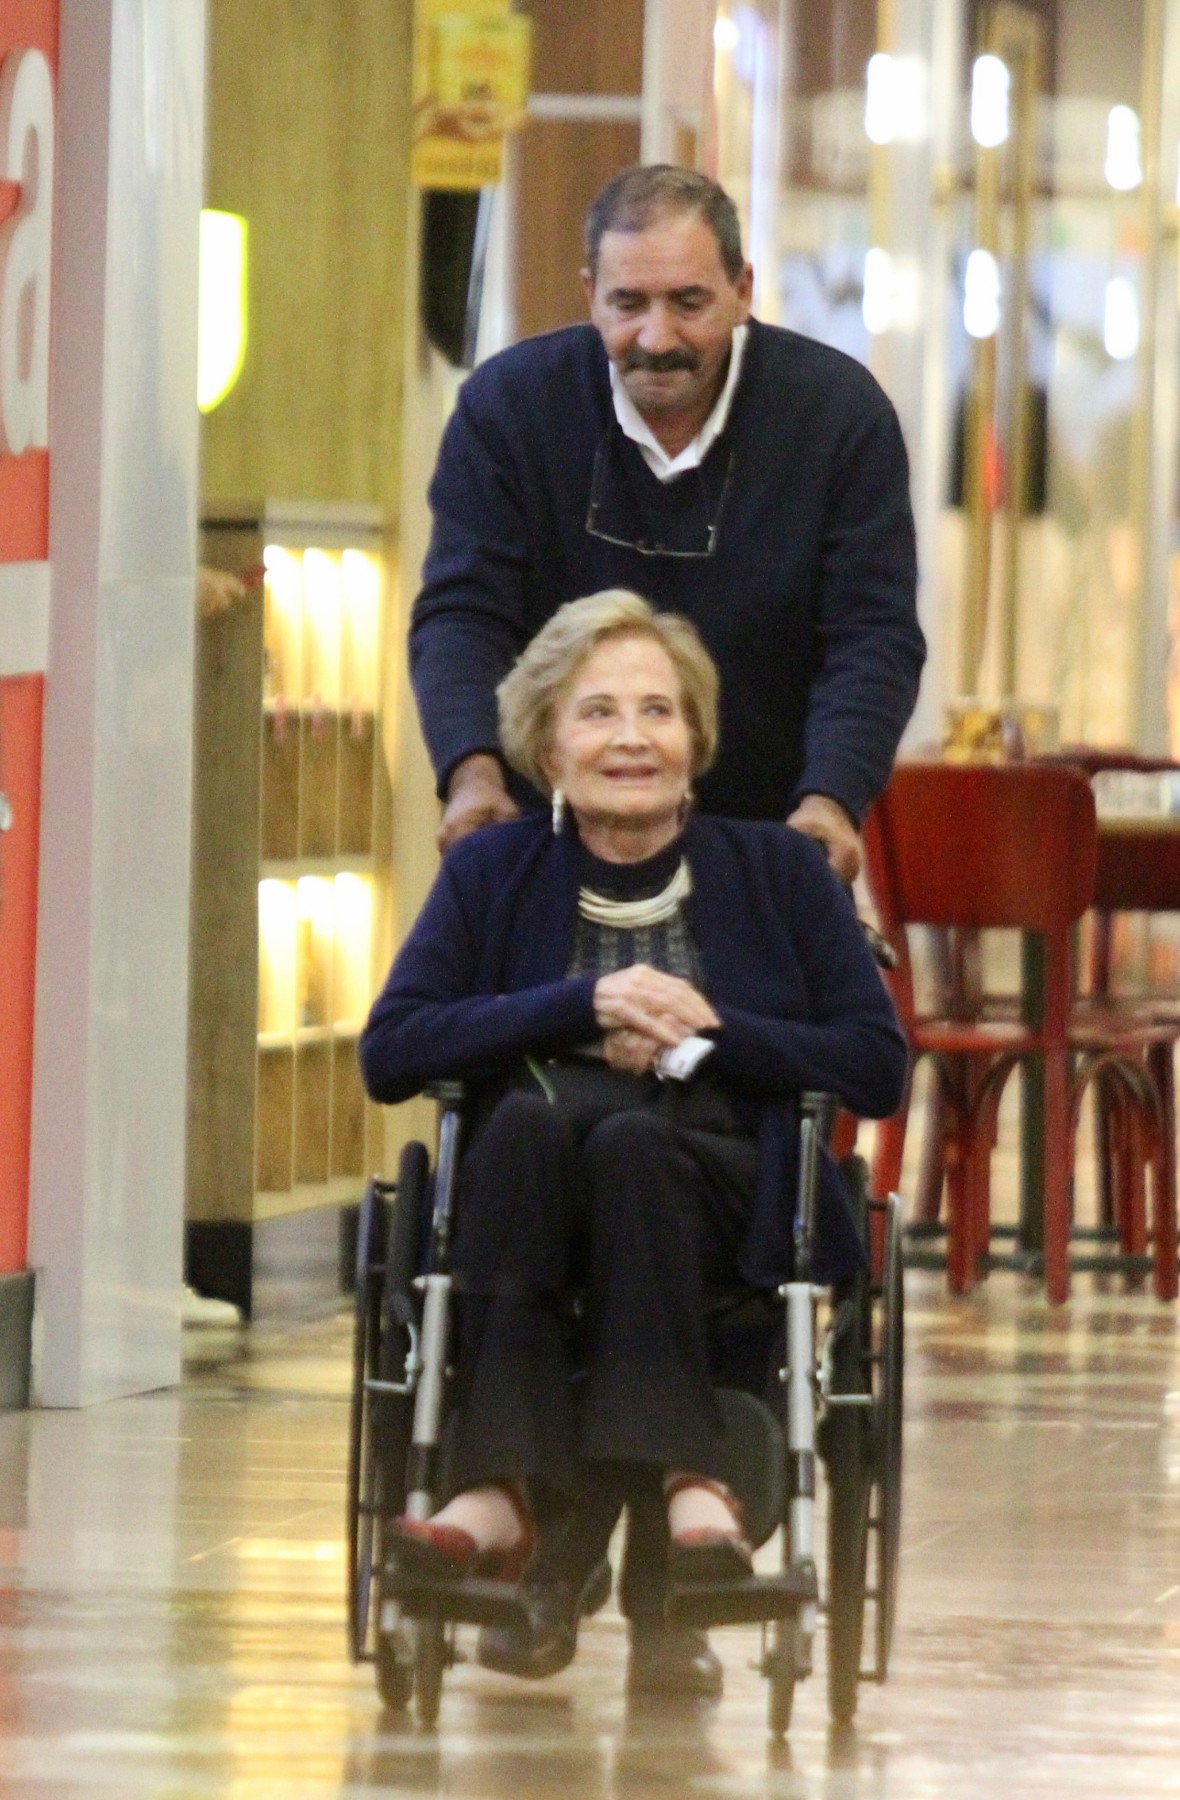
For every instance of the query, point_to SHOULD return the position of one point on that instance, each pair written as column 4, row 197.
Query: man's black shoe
column 673, row 1662
column 556, row 1609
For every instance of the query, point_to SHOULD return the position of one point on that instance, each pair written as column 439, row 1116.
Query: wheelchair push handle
column 881, row 950
column 449, row 1094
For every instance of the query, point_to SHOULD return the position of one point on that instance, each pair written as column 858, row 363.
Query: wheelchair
column 840, row 1407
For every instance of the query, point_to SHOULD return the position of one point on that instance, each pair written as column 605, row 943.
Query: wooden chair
column 1138, row 891
column 975, row 848
column 1137, row 875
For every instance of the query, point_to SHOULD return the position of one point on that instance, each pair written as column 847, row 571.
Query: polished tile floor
column 171, row 1571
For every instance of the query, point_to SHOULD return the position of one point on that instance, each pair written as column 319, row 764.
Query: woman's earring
column 686, row 805
column 558, row 811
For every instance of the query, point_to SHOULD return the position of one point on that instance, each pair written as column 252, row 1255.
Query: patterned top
column 667, row 943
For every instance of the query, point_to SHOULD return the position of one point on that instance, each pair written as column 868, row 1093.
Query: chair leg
column 1134, row 1133
column 962, row 1262
column 1058, row 1176
column 889, row 1148
column 932, row 1166
column 843, row 1140
column 1105, row 1098
column 985, row 1137
column 1116, row 1107
column 979, row 1209
column 1162, row 1070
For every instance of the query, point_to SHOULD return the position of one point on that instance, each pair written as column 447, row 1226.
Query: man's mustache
column 660, row 362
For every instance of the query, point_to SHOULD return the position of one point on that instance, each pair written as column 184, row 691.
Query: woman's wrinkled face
column 621, row 748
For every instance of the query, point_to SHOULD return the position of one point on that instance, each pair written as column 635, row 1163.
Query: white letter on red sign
column 26, row 242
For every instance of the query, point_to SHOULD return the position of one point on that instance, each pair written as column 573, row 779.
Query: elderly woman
column 639, row 994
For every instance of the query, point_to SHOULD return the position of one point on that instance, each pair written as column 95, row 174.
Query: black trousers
column 639, row 1216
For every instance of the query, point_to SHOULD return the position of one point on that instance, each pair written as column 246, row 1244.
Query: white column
column 653, row 141
column 913, row 361
column 1161, row 331
column 677, row 64
column 109, row 1078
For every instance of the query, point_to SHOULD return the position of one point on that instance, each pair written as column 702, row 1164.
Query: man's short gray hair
column 639, row 196
column 529, row 693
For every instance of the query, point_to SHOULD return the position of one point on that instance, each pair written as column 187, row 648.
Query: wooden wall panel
column 308, row 136
column 561, row 167
column 581, row 48
column 587, row 46
column 223, row 955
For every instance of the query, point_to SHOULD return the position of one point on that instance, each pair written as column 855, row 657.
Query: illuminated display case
column 291, row 854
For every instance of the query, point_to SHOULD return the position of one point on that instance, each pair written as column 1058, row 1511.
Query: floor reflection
column 172, row 1570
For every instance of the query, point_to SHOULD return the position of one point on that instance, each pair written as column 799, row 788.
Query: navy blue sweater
column 481, row 979
column 807, row 604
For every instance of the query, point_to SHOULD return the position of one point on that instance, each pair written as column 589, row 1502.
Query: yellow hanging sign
column 471, row 85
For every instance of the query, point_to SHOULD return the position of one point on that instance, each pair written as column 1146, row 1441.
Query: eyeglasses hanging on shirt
column 683, row 522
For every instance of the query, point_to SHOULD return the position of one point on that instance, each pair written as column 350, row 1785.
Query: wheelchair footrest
column 747, row 1602
column 471, row 1602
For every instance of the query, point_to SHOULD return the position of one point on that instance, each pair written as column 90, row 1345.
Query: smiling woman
column 557, row 971
column 614, row 706
column 621, row 750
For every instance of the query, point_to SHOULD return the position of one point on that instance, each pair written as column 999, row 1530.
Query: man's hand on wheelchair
column 645, row 1003
column 476, row 795
column 826, row 821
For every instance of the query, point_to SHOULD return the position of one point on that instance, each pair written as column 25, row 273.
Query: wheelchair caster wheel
column 781, row 1670
column 782, row 1701
column 430, row 1659
column 395, row 1673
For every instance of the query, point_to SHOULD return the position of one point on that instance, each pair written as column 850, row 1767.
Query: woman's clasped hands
column 643, row 1011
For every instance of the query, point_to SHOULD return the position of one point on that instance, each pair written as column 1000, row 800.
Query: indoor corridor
column 172, row 1617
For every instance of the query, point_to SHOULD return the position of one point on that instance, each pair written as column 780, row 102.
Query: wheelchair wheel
column 380, row 1423
column 361, row 1522
column 889, row 1351
column 847, row 1444
column 430, row 1660
column 393, row 1414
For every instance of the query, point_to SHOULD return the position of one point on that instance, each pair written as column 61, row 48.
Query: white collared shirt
column 634, row 426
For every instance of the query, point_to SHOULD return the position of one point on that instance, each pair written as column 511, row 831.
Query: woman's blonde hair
column 530, row 691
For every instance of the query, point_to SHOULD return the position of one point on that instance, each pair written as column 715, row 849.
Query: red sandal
column 704, row 1553
column 435, row 1552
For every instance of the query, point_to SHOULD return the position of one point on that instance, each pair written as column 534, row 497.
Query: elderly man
column 748, row 477
column 745, row 476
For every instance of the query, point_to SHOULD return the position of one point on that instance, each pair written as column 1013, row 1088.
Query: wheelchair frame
column 842, row 1406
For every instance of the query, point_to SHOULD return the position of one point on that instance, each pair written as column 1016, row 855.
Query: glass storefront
column 979, row 201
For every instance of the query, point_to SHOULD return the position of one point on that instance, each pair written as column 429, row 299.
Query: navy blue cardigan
column 807, row 604
column 481, row 979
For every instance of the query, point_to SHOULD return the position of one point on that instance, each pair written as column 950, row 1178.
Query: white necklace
column 635, row 915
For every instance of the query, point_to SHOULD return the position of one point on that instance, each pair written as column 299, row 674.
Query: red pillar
column 20, row 782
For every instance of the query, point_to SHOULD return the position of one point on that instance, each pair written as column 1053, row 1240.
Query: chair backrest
column 1138, row 862
column 982, row 846
column 1139, row 867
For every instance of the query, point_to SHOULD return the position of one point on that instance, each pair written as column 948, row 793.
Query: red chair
column 1135, row 882
column 1139, row 872
column 976, row 847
